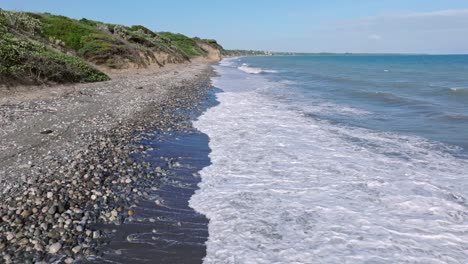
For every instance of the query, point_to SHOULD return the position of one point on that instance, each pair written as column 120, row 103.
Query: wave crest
column 252, row 70
column 459, row 91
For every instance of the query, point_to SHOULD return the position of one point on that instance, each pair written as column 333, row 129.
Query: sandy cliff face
column 213, row 54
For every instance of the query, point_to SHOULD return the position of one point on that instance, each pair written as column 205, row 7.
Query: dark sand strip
column 166, row 229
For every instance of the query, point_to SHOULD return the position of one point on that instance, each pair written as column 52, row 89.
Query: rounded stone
column 54, row 248
column 52, row 210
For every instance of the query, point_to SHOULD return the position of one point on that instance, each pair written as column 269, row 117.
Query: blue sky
column 403, row 26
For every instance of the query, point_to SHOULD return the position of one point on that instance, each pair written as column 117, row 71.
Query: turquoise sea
column 424, row 96
column 337, row 159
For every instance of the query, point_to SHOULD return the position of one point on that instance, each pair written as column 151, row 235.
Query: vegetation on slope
column 44, row 47
column 110, row 45
column 187, row 45
column 24, row 60
column 71, row 32
column 213, row 43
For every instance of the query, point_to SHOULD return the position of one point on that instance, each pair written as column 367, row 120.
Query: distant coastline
column 238, row 53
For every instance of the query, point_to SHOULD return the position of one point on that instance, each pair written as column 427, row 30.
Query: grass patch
column 69, row 31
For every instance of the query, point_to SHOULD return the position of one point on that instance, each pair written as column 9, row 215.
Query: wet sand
column 170, row 231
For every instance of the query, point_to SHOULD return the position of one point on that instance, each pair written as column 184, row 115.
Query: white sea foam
column 459, row 89
column 283, row 188
column 229, row 61
column 252, row 70
column 330, row 108
column 288, row 82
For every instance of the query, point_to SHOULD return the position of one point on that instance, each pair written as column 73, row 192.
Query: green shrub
column 140, row 38
column 135, row 35
column 185, row 44
column 111, row 27
column 143, row 30
column 20, row 21
column 108, row 50
column 34, row 15
column 97, row 43
column 69, row 31
column 75, row 70
column 27, row 61
column 88, row 22
column 211, row 42
column 93, row 48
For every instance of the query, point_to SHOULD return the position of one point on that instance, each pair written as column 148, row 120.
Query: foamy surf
column 252, row 70
column 284, row 188
column 459, row 91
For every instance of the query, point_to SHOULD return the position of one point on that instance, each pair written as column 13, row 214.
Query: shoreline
column 67, row 158
column 164, row 227
column 171, row 231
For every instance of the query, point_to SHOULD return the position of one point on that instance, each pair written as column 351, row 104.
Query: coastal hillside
column 43, row 48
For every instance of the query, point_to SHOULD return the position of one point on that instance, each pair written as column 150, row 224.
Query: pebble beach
column 68, row 158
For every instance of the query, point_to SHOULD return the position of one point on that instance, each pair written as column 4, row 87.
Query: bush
column 69, row 31
column 93, row 48
column 185, row 44
column 96, row 43
column 109, row 50
column 139, row 37
column 134, row 34
column 144, row 39
column 211, row 42
column 143, row 30
column 111, row 28
column 27, row 61
column 88, row 22
column 20, row 21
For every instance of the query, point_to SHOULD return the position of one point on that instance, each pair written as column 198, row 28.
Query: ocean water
column 337, row 159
